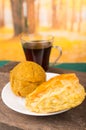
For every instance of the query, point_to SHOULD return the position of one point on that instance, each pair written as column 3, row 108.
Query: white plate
column 18, row 103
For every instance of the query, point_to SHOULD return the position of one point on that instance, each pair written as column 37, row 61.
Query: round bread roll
column 25, row 77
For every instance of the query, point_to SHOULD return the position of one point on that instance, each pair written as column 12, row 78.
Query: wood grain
column 74, row 119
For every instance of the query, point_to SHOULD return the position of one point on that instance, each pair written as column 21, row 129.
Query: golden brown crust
column 59, row 93
column 25, row 77
column 28, row 71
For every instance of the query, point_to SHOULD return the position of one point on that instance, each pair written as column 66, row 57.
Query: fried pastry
column 25, row 77
column 59, row 93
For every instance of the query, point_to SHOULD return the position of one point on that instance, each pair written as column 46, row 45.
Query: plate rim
column 7, row 86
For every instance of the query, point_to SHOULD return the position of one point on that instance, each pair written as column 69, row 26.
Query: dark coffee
column 38, row 53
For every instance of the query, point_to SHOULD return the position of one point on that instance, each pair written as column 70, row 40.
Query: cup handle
column 60, row 53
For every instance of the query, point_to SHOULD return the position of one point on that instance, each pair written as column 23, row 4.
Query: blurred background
column 65, row 19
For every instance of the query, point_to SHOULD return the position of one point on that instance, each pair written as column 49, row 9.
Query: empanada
column 59, row 93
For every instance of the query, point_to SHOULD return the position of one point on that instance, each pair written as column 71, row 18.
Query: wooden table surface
column 74, row 119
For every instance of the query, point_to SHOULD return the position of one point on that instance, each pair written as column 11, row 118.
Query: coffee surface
column 38, row 51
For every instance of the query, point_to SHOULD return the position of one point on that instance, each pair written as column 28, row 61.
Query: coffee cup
column 37, row 48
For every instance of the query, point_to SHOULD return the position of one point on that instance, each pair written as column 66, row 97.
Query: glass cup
column 37, row 48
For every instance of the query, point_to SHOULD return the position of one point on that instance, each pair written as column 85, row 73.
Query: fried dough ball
column 25, row 77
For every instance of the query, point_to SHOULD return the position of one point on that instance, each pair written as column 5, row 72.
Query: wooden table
column 74, row 119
